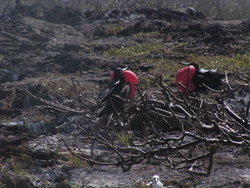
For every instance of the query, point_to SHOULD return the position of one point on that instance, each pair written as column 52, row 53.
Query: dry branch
column 174, row 129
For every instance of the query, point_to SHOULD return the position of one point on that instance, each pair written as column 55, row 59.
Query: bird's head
column 155, row 178
column 117, row 74
column 125, row 76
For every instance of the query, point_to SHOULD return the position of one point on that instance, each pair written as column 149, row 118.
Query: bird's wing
column 149, row 184
column 160, row 184
column 207, row 70
column 210, row 79
column 106, row 91
column 125, row 92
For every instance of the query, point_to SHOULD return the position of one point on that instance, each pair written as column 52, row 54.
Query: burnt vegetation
column 218, row 9
column 56, row 55
column 166, row 127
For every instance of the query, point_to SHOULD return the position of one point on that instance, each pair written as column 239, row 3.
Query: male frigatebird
column 121, row 86
column 192, row 78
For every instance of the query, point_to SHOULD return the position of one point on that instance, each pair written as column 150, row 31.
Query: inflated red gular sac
column 122, row 83
column 191, row 78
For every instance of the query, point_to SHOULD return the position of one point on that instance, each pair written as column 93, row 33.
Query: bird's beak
column 183, row 63
column 124, row 68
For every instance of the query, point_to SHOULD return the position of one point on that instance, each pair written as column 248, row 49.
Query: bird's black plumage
column 203, row 78
column 111, row 97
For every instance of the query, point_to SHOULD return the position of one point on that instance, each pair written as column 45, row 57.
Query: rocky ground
column 43, row 50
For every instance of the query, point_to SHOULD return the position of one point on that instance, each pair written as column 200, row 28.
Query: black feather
column 202, row 77
column 107, row 97
column 112, row 102
column 211, row 79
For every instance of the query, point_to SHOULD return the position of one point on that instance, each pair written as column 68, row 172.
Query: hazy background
column 218, row 9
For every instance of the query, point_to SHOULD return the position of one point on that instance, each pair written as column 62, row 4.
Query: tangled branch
column 180, row 131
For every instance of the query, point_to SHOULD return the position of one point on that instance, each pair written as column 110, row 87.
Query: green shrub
column 75, row 161
column 17, row 168
column 123, row 139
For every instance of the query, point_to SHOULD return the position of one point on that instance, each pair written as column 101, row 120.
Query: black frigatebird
column 121, row 86
column 192, row 78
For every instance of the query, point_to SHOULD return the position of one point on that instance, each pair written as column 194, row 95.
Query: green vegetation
column 165, row 65
column 159, row 56
column 147, row 34
column 123, row 138
column 150, row 53
column 114, row 29
column 76, row 186
column 145, row 52
column 146, row 82
column 75, row 161
column 17, row 168
column 1, row 57
column 39, row 117
column 169, row 78
column 237, row 62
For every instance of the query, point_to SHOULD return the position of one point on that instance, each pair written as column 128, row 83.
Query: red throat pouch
column 183, row 79
column 130, row 77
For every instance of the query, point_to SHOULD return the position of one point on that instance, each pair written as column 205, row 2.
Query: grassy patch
column 75, row 161
column 150, row 53
column 239, row 62
column 1, row 57
column 146, row 82
column 169, row 78
column 168, row 67
column 18, row 168
column 39, row 117
column 160, row 56
column 164, row 65
column 135, row 51
column 123, row 139
column 147, row 34
column 114, row 29
column 153, row 54
column 76, row 186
